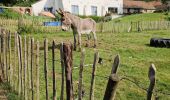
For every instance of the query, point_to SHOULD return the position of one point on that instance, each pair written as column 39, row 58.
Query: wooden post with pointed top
column 46, row 66
column 62, row 69
column 96, row 56
column 10, row 67
column 32, row 65
column 37, row 71
column 152, row 78
column 15, row 66
column 81, row 75
column 25, row 68
column 68, row 62
column 53, row 67
column 20, row 64
column 113, row 81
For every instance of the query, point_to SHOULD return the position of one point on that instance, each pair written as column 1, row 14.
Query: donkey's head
column 65, row 20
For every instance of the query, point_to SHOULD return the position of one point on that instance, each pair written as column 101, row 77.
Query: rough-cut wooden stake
column 111, row 87
column 115, row 64
column 46, row 66
column 1, row 68
column 62, row 75
column 15, row 66
column 3, row 47
column 113, row 81
column 81, row 75
column 25, row 68
column 20, row 64
column 96, row 56
column 37, row 70
column 32, row 65
column 6, row 56
column 68, row 62
column 10, row 67
column 53, row 67
column 29, row 67
column 152, row 78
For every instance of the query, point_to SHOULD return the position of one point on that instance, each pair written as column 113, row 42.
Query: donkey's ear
column 61, row 11
column 58, row 12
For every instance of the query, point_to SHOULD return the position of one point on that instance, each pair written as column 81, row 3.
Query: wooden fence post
column 37, row 70
column 9, row 57
column 53, row 67
column 62, row 68
column 15, row 66
column 1, row 68
column 46, row 66
column 6, row 55
column 113, row 81
column 29, row 67
column 68, row 62
column 20, row 64
column 3, row 47
column 81, row 75
column 152, row 76
column 115, row 64
column 32, row 65
column 96, row 56
column 25, row 68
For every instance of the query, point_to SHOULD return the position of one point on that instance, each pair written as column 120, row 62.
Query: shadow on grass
column 148, row 45
column 9, row 92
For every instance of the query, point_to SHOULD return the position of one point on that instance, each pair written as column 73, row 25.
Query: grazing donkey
column 78, row 25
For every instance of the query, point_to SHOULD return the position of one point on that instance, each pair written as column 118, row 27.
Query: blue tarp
column 1, row 10
column 52, row 23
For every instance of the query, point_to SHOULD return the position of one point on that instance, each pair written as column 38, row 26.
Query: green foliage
column 25, row 29
column 8, row 13
column 18, row 2
column 95, row 18
column 24, row 4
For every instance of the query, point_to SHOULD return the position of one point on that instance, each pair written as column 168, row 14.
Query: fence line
column 113, row 27
column 30, row 90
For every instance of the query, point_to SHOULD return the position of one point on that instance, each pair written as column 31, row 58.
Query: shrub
column 8, row 13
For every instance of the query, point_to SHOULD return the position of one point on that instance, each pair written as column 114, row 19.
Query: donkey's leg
column 79, row 41
column 88, row 38
column 95, row 39
column 74, row 41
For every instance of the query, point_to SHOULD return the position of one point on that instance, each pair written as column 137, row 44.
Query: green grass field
column 142, row 17
column 136, row 56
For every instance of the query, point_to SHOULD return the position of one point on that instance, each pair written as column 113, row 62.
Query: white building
column 80, row 7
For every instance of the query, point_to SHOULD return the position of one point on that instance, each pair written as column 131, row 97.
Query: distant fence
column 113, row 27
column 120, row 27
column 32, row 24
column 20, row 66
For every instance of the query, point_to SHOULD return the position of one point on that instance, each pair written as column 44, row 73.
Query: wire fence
column 23, row 73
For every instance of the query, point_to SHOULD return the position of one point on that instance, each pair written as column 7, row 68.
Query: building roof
column 142, row 4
